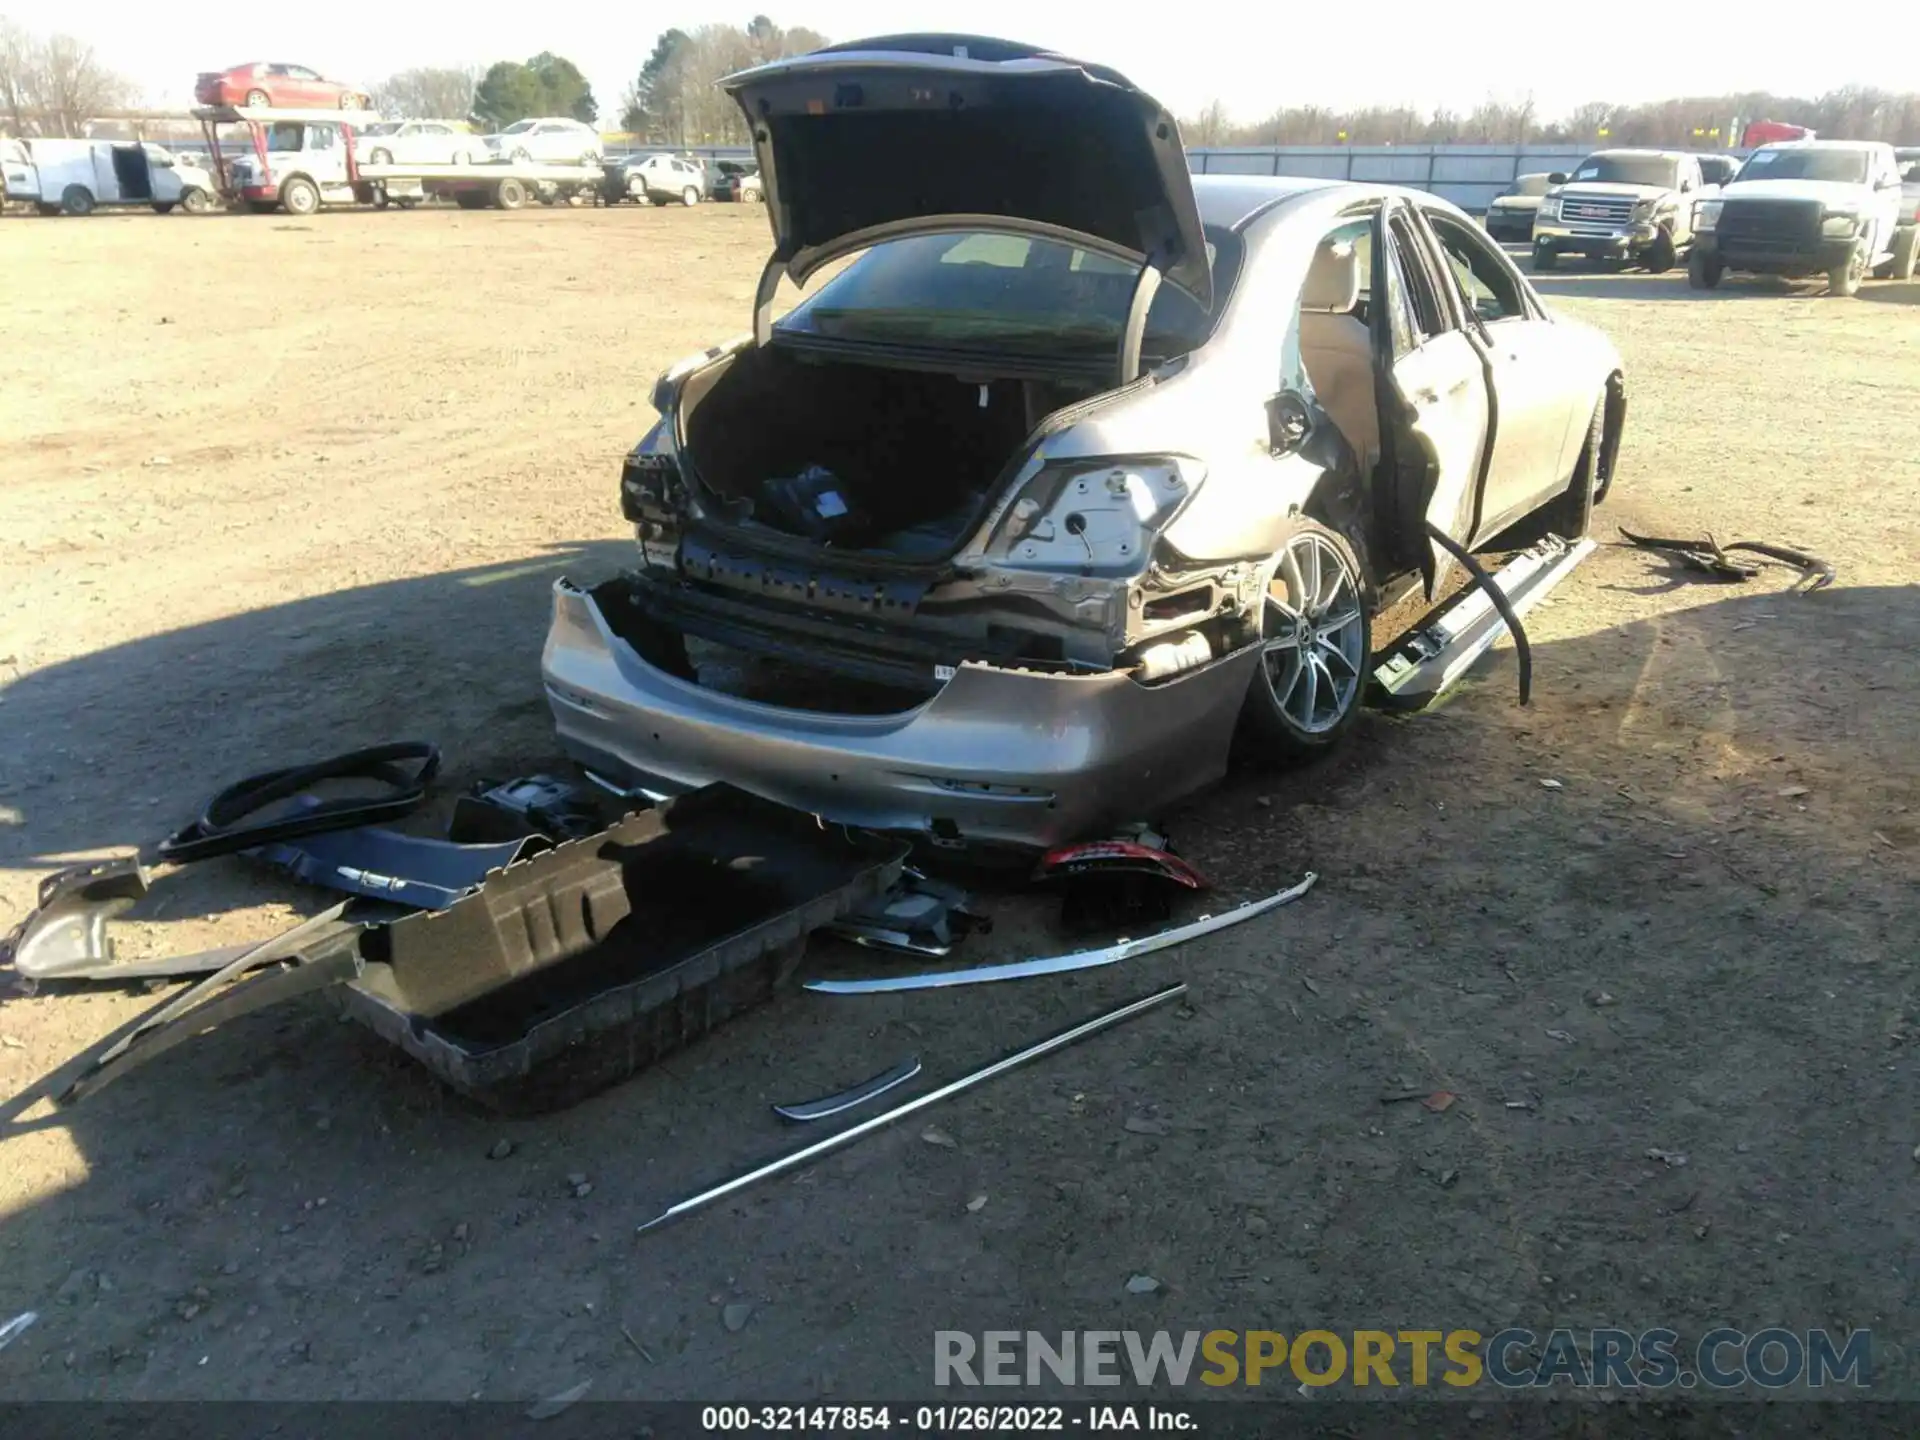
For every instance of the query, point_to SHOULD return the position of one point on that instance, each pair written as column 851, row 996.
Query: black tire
column 196, row 201
column 1704, row 271
column 1545, row 257
column 1660, row 255
column 690, row 196
column 380, row 157
column 378, row 197
column 163, row 207
column 1906, row 253
column 1270, row 728
column 470, row 199
column 510, row 194
column 300, row 196
column 76, row 200
column 1844, row 279
column 1571, row 515
column 407, row 202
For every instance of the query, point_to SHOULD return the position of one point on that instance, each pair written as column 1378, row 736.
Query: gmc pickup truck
column 1629, row 205
column 1806, row 207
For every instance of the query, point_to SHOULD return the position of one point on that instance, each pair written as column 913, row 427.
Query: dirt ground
column 273, row 489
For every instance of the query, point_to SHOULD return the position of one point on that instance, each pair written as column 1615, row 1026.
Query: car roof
column 1229, row 202
column 1826, row 145
column 1642, row 150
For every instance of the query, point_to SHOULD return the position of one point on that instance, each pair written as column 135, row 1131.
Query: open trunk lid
column 877, row 138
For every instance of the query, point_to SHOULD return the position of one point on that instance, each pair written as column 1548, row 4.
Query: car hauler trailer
column 299, row 160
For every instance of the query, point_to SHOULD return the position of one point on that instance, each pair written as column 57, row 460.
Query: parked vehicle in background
column 1717, row 170
column 1510, row 216
column 662, row 178
column 554, row 140
column 272, row 83
column 743, row 188
column 1772, row 132
column 76, row 177
column 1907, row 237
column 730, row 180
column 1808, row 207
column 1003, row 532
column 16, row 172
column 418, row 142
column 1635, row 206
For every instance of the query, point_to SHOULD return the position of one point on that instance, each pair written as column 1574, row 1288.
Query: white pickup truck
column 1805, row 207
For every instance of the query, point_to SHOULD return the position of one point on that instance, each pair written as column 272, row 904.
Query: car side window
column 1415, row 304
column 1481, row 277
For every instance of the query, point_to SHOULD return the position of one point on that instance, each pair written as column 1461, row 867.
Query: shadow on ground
column 1669, row 996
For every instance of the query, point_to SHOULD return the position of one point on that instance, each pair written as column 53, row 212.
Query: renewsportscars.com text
column 1513, row 1359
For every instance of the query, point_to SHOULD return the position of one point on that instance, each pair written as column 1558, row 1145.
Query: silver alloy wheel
column 1316, row 647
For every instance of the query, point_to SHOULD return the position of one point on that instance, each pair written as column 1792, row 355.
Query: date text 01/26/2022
column 941, row 1419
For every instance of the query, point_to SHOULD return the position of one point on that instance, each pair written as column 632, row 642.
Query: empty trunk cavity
column 858, row 457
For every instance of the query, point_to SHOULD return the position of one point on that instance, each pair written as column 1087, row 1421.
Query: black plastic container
column 570, row 971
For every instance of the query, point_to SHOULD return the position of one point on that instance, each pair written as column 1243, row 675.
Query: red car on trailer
column 283, row 86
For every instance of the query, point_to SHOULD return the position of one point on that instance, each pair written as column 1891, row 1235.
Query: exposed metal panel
column 1392, row 167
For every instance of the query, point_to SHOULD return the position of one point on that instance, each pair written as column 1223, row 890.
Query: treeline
column 53, row 84
column 674, row 100
column 1703, row 122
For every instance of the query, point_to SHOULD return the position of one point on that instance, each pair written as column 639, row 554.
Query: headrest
column 1333, row 279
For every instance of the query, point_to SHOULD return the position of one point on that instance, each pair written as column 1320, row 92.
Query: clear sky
column 1253, row 58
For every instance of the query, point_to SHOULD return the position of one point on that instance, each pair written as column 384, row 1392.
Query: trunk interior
column 857, row 457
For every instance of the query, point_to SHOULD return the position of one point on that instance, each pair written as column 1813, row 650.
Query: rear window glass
column 995, row 291
column 1846, row 167
column 1628, row 170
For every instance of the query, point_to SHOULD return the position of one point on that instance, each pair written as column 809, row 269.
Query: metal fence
column 1468, row 175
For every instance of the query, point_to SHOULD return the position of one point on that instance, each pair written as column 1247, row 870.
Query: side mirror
column 1288, row 423
column 1887, row 184
column 1558, row 177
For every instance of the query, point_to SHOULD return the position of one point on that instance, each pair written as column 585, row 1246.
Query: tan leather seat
column 1336, row 349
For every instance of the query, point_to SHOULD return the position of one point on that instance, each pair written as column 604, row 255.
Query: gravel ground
column 275, row 488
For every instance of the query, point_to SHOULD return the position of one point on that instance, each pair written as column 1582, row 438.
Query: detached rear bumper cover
column 997, row 758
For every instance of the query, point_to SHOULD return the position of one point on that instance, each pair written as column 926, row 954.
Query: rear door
column 1434, row 421
column 1532, row 404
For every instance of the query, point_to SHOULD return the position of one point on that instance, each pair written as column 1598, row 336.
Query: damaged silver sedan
column 1077, row 471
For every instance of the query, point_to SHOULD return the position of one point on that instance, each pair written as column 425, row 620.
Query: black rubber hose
column 406, row 767
column 1493, row 592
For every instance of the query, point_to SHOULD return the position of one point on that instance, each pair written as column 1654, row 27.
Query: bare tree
column 1209, row 127
column 19, row 60
column 677, row 98
column 430, row 93
column 53, row 86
